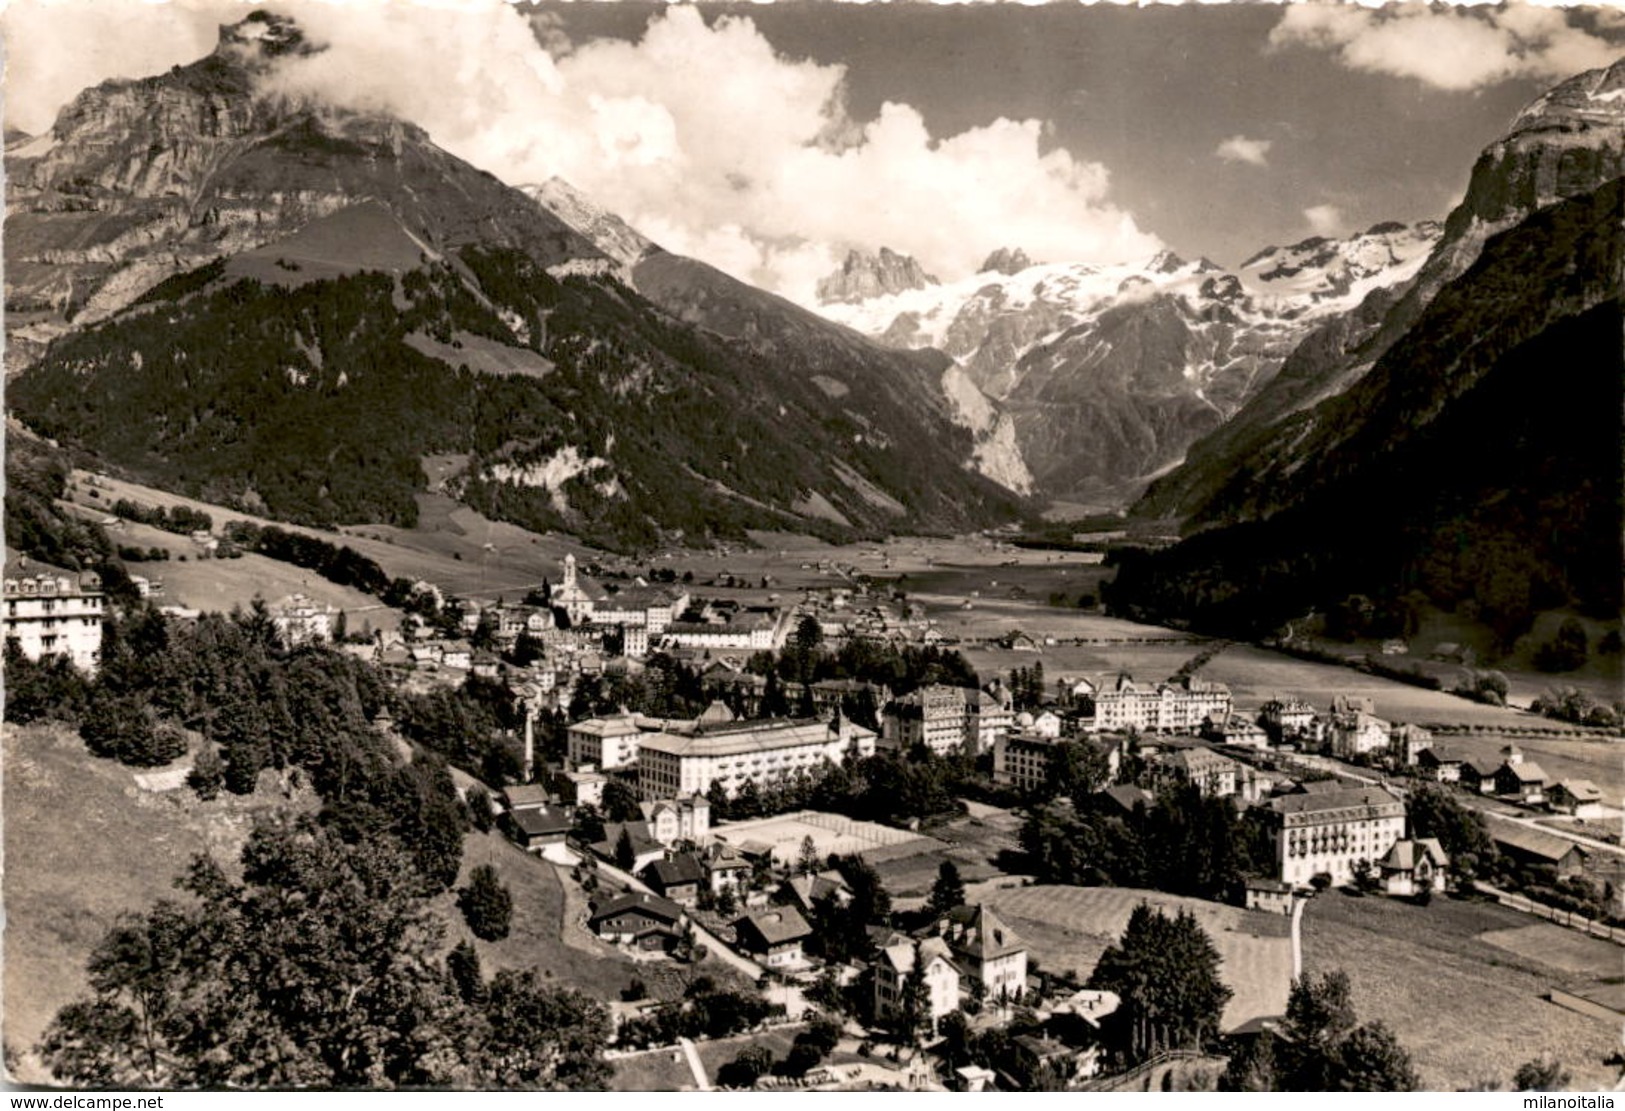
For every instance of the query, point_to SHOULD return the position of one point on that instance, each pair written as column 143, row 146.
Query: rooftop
column 749, row 736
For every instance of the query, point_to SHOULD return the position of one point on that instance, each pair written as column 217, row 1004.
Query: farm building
column 1536, row 847
column 1579, row 797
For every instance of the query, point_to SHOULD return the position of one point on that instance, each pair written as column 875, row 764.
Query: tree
column 1544, row 1074
column 621, row 803
column 479, row 807
column 749, row 1065
column 1166, row 971
column 208, row 774
column 589, row 825
column 1253, row 1067
column 1371, row 1060
column 486, row 904
column 542, row 1037
column 807, row 858
column 625, row 855
column 948, row 891
column 463, row 969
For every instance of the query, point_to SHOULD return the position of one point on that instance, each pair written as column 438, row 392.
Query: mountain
column 1104, row 376
column 286, row 306
column 1467, row 456
column 863, row 276
column 1568, row 142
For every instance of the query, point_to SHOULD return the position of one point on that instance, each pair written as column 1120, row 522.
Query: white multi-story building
column 1211, row 773
column 760, row 752
column 1160, row 708
column 946, row 720
column 302, row 620
column 604, row 743
column 1358, row 733
column 1327, row 831
column 750, row 630
column 1021, row 758
column 52, row 612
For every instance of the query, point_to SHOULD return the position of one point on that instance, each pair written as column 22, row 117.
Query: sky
column 769, row 139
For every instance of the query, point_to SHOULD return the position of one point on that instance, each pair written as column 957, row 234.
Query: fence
column 1567, row 918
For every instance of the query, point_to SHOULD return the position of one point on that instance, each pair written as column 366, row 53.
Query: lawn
column 1469, row 1011
column 1067, row 929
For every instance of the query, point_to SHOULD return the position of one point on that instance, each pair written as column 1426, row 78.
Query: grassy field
column 537, row 939
column 1469, row 1009
column 1067, row 928
column 663, row 1070
column 1256, row 675
column 219, row 584
column 1602, row 762
column 452, row 545
column 83, row 845
column 972, row 843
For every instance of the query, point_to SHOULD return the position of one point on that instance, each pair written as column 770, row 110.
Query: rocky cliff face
column 139, row 180
column 1569, row 142
column 864, row 276
column 1107, row 375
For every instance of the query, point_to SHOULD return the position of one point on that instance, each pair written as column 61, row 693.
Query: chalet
column 1579, row 797
column 1479, row 775
column 774, row 936
column 457, row 654
column 1439, row 766
column 645, row 849
column 637, row 919
column 536, row 827
column 1127, row 796
column 725, row 868
column 1538, row 848
column 1269, row 895
column 526, row 796
column 677, row 878
column 1413, row 866
column 803, row 891
column 1521, row 780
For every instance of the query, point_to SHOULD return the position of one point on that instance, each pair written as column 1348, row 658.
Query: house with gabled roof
column 803, row 891
column 677, row 877
column 1579, row 797
column 639, row 919
column 774, row 936
column 941, row 974
column 1413, row 865
column 986, row 949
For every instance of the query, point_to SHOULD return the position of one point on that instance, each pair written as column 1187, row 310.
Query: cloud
column 1450, row 48
column 1325, row 219
column 699, row 133
column 1239, row 148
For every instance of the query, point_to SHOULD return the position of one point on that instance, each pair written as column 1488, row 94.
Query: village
column 705, row 838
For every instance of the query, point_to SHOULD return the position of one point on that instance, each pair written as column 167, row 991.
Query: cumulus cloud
column 1325, row 219
column 1450, row 48
column 1239, row 148
column 701, row 135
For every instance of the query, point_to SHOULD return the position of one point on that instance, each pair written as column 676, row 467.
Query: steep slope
column 340, row 298
column 1568, row 142
column 852, row 370
column 1475, row 467
column 1105, row 376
